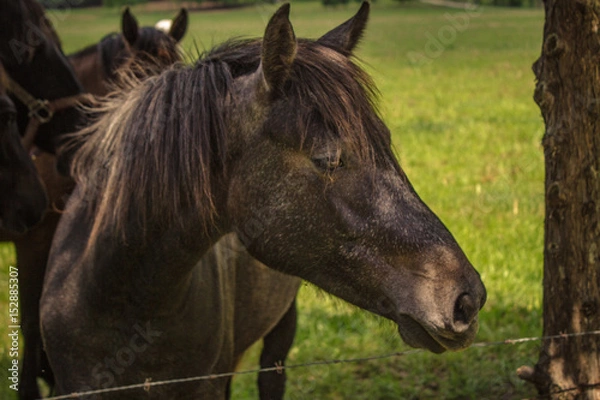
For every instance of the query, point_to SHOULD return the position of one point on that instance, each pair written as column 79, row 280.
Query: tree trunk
column 568, row 94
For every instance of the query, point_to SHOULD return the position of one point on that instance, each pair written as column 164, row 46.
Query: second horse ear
column 129, row 27
column 179, row 26
column 345, row 37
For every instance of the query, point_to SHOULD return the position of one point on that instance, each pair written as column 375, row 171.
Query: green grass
column 468, row 134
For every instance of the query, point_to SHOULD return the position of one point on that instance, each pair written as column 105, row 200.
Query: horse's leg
column 276, row 346
column 32, row 256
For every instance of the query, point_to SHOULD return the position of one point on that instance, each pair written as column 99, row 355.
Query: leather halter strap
column 41, row 111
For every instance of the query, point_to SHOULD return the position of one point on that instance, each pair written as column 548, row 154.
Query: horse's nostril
column 465, row 309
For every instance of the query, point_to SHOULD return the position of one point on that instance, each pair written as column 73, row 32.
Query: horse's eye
column 328, row 163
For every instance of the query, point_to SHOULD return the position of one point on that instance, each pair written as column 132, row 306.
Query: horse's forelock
column 343, row 96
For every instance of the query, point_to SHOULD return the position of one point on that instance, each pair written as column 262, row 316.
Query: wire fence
column 148, row 384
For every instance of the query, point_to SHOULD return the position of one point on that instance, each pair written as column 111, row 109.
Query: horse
column 293, row 152
column 150, row 50
column 23, row 200
column 97, row 65
column 118, row 52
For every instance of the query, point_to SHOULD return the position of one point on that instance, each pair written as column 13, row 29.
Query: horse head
column 150, row 44
column 314, row 175
column 33, row 58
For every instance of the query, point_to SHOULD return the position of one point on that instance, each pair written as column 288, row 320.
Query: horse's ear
column 278, row 49
column 179, row 26
column 129, row 26
column 345, row 37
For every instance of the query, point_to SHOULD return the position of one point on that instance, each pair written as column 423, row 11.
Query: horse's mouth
column 415, row 335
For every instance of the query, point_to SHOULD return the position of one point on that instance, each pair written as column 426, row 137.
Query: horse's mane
column 166, row 133
column 17, row 20
column 160, row 146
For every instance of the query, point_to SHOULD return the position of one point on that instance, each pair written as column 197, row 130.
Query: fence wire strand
column 149, row 384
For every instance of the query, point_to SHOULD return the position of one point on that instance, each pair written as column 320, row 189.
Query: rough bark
column 568, row 94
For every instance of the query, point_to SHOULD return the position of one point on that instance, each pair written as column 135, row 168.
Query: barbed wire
column 148, row 384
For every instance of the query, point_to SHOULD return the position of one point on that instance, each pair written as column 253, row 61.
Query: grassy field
column 456, row 92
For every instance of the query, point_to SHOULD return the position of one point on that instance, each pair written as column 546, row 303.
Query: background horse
column 32, row 58
column 294, row 149
column 97, row 65
column 23, row 200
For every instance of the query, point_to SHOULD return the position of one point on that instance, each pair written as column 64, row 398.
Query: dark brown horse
column 152, row 50
column 32, row 63
column 97, row 65
column 23, row 200
column 294, row 152
column 97, row 68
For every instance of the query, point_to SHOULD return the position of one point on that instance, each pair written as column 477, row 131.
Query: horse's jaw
column 434, row 300
column 419, row 336
column 416, row 336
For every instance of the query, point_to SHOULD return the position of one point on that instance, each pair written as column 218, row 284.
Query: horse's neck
column 145, row 273
column 90, row 73
column 159, row 268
